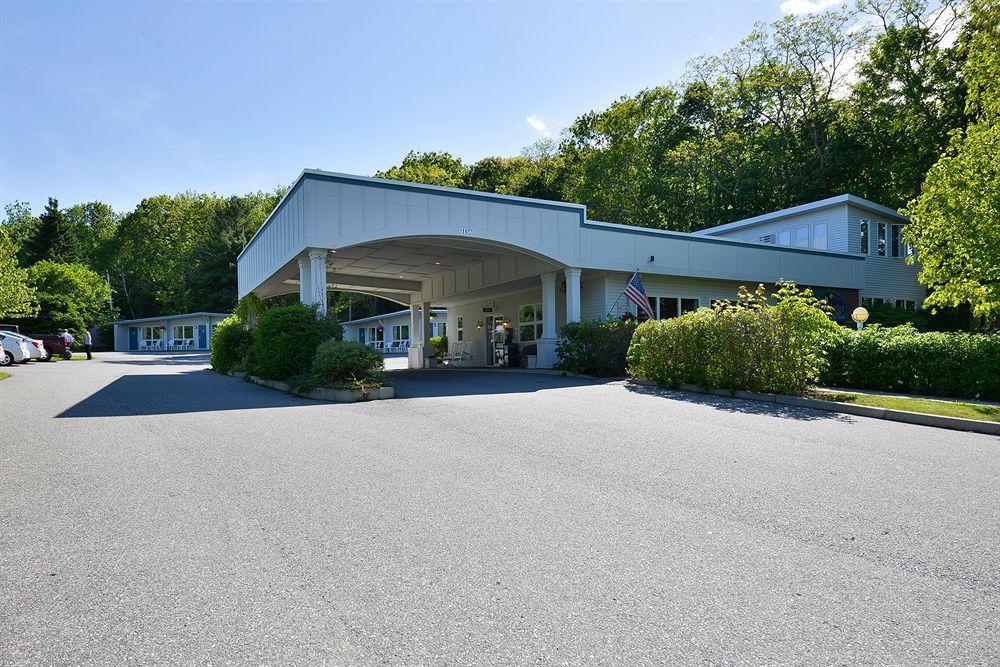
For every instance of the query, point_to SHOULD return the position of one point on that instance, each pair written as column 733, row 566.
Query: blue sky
column 118, row 101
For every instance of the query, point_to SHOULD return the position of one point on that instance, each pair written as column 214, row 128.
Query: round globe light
column 860, row 314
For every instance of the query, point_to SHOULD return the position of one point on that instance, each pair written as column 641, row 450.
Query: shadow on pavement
column 147, row 359
column 440, row 383
column 741, row 405
column 193, row 391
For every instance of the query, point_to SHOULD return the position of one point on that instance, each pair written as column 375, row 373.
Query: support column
column 572, row 294
column 305, row 281
column 547, row 343
column 425, row 330
column 414, row 354
column 317, row 263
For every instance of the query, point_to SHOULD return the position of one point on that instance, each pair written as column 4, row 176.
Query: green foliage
column 440, row 346
column 338, row 362
column 955, row 222
column 750, row 344
column 286, row 338
column 54, row 237
column 595, row 348
column 70, row 296
column 923, row 319
column 17, row 295
column 231, row 340
column 432, row 167
column 900, row 359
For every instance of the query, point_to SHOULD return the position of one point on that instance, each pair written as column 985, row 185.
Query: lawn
column 924, row 405
column 4, row 376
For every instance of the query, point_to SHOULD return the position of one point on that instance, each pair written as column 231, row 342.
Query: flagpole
column 620, row 295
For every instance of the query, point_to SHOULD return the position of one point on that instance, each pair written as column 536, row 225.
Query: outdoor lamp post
column 860, row 315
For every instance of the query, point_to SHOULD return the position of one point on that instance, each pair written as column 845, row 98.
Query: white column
column 317, row 263
column 414, row 353
column 572, row 295
column 547, row 343
column 425, row 329
column 305, row 281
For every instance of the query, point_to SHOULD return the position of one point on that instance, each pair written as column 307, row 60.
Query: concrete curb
column 324, row 393
column 905, row 416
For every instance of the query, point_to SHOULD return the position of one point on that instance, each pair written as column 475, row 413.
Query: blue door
column 202, row 336
column 133, row 338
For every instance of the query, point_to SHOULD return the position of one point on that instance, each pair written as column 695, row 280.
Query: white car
column 36, row 348
column 14, row 350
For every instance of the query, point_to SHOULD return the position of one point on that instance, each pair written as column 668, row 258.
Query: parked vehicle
column 35, row 346
column 9, row 327
column 54, row 346
column 14, row 350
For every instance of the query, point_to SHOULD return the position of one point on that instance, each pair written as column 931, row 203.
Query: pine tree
column 54, row 237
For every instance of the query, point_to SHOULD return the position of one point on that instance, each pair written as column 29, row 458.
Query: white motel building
column 518, row 269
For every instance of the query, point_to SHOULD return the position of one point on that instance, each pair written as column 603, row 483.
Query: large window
column 864, row 236
column 898, row 247
column 785, row 237
column 184, row 332
column 819, row 236
column 881, row 239
column 152, row 333
column 802, row 237
column 666, row 307
column 460, row 328
column 529, row 322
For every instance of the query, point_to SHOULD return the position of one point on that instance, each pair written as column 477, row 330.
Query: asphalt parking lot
column 155, row 512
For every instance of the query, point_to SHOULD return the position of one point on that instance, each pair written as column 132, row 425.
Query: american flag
column 637, row 295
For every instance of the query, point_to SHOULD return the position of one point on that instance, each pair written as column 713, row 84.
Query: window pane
column 819, row 236
column 652, row 305
column 527, row 313
column 896, row 229
column 668, row 308
column 801, row 237
column 689, row 305
column 864, row 236
column 527, row 333
column 881, row 239
column 785, row 237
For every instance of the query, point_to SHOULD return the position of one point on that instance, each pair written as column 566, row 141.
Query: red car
column 54, row 345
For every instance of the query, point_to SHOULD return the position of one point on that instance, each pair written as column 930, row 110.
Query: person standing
column 68, row 339
column 87, row 341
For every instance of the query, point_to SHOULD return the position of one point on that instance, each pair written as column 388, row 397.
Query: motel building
column 512, row 271
column 177, row 333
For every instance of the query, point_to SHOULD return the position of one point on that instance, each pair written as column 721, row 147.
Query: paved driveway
column 156, row 512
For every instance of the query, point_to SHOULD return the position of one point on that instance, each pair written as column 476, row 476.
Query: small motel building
column 501, row 275
column 189, row 331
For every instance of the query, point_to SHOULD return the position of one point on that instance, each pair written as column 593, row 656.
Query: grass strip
column 928, row 406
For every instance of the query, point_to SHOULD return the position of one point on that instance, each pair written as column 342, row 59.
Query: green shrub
column 286, row 338
column 440, row 346
column 230, row 343
column 340, row 362
column 595, row 348
column 749, row 344
column 900, row 359
column 923, row 319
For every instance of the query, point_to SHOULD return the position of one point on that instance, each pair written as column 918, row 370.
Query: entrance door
column 496, row 341
column 133, row 338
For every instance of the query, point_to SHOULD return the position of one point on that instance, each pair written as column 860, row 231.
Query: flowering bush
column 754, row 343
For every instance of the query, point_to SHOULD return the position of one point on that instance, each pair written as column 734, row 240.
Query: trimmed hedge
column 440, row 346
column 230, row 343
column 750, row 344
column 286, row 338
column 595, row 348
column 900, row 359
column 338, row 362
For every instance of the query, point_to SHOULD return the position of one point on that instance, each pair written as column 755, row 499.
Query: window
column 461, row 327
column 784, row 237
column 864, row 236
column 802, row 237
column 689, row 305
column 152, row 333
column 877, row 301
column 819, row 236
column 666, row 307
column 400, row 333
column 442, row 329
column 185, row 332
column 881, row 239
column 897, row 241
column 529, row 322
column 867, row 302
